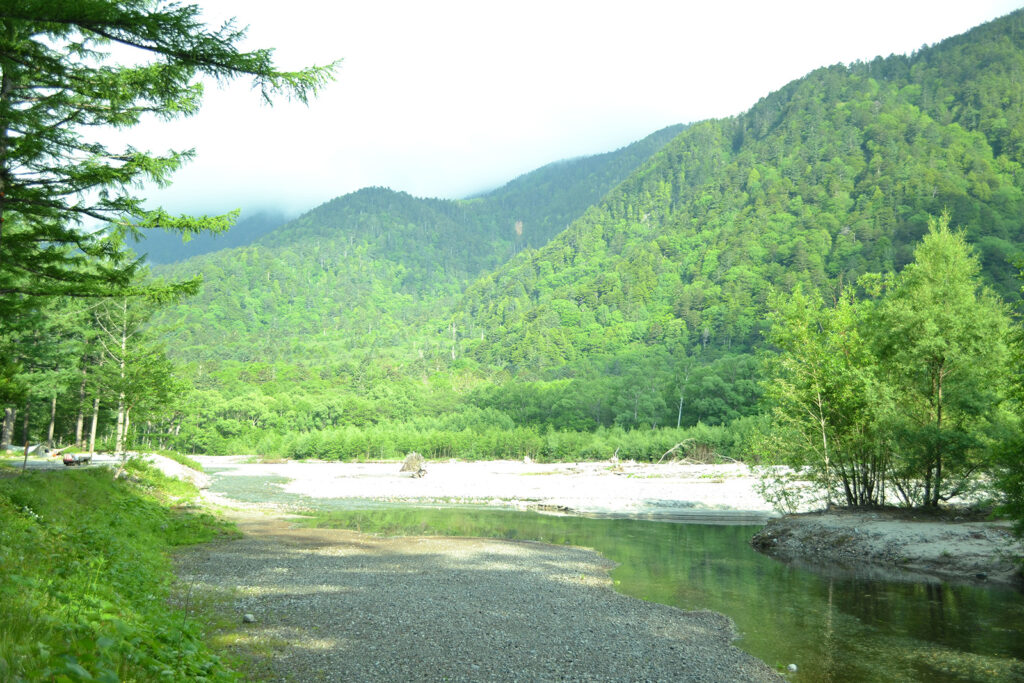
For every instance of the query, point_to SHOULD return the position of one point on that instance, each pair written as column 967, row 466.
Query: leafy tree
column 1010, row 471
column 56, row 86
column 137, row 372
column 824, row 396
column 942, row 340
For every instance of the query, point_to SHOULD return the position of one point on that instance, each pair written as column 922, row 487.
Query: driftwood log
column 414, row 463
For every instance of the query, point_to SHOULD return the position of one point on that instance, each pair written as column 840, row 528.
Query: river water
column 834, row 628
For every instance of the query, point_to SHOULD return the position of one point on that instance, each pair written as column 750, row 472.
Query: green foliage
column 58, row 87
column 902, row 394
column 486, row 440
column 943, row 346
column 825, row 399
column 85, row 583
column 1010, row 453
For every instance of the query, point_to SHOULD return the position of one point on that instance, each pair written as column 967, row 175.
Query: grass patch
column 181, row 459
column 86, row 578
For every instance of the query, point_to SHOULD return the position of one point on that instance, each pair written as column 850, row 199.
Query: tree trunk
column 8, row 429
column 80, row 419
column 24, row 424
column 119, row 440
column 119, row 434
column 938, row 446
column 825, row 454
column 92, row 430
column 53, row 419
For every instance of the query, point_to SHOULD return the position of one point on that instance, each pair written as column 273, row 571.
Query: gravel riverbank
column 336, row 605
column 900, row 545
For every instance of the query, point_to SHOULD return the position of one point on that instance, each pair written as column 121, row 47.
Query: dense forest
column 619, row 303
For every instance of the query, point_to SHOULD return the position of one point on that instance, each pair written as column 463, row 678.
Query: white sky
column 446, row 98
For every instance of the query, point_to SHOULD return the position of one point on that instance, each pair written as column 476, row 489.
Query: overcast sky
column 444, row 99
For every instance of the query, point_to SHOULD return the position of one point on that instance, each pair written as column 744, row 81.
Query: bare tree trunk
column 80, row 420
column 824, row 447
column 95, row 419
column 119, row 434
column 53, row 419
column 8, row 429
column 24, row 424
column 934, row 502
column 121, row 410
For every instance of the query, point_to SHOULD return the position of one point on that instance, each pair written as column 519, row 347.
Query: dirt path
column 335, row 605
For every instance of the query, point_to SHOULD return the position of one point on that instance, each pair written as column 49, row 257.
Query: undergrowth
column 86, row 578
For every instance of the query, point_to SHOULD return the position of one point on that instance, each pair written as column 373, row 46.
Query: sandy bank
column 895, row 545
column 666, row 491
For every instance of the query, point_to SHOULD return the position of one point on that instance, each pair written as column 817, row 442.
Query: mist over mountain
column 164, row 247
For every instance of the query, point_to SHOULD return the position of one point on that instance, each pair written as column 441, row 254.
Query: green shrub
column 86, row 578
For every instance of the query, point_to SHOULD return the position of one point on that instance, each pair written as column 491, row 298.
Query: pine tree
column 57, row 86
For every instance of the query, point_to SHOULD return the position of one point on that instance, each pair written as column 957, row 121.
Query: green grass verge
column 180, row 458
column 86, row 578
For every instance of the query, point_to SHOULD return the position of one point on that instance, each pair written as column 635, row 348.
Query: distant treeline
column 386, row 442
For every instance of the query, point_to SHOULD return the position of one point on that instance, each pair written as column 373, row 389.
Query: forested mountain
column 362, row 271
column 649, row 308
column 832, row 176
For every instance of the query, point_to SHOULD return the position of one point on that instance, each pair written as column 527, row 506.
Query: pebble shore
column 337, row 605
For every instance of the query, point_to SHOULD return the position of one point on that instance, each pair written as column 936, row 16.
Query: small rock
column 791, row 668
column 248, row 618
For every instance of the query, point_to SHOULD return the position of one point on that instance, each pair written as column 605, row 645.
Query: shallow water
column 832, row 628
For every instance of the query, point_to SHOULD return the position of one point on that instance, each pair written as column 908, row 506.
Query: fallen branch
column 683, row 442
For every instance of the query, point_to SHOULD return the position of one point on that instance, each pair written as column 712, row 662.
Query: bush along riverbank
column 86, row 581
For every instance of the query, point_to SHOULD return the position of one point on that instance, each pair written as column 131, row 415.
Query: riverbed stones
column 337, row 604
column 894, row 545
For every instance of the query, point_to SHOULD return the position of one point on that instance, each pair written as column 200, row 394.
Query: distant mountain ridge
column 166, row 247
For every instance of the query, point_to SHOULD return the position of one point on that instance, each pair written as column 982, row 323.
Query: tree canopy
column 60, row 88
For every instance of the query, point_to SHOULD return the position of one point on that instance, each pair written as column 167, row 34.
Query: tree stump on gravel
column 414, row 463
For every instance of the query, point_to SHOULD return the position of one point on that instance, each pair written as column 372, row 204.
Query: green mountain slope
column 363, row 271
column 833, row 176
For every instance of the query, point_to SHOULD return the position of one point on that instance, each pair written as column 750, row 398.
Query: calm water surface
column 833, row 628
